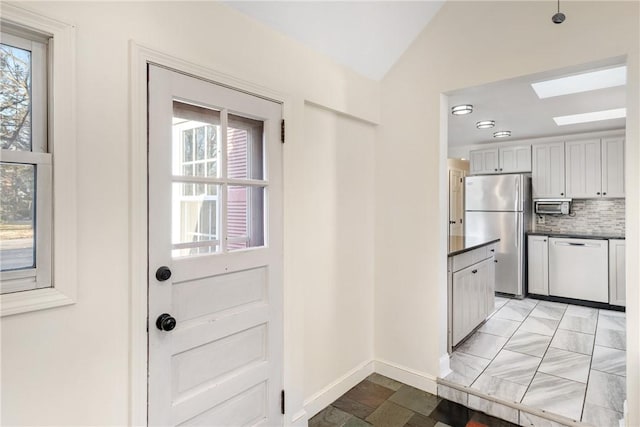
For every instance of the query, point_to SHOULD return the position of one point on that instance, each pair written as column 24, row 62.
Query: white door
column 215, row 222
column 456, row 201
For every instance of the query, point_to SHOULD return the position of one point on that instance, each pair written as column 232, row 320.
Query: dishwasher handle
column 576, row 244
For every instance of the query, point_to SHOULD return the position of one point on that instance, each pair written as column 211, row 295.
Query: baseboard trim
column 417, row 379
column 323, row 398
column 445, row 368
column 299, row 419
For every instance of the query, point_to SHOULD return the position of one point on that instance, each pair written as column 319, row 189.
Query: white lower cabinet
column 538, row 265
column 472, row 292
column 616, row 272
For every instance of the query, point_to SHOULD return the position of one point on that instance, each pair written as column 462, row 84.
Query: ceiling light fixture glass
column 584, row 82
column 595, row 116
column 502, row 134
column 460, row 110
column 485, row 124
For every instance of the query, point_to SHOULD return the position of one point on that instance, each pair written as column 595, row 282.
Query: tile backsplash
column 604, row 216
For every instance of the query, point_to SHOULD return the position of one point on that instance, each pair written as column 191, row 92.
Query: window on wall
column 25, row 163
column 38, row 203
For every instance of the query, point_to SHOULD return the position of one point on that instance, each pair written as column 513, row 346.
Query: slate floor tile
column 354, row 408
column 414, row 399
column 356, row 422
column 390, row 415
column 369, row 394
column 384, row 381
column 419, row 420
column 451, row 413
column 490, row 421
column 329, row 417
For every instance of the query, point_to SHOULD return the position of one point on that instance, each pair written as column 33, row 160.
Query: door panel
column 215, row 219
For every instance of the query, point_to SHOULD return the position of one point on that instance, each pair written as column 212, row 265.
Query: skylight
column 584, row 82
column 595, row 116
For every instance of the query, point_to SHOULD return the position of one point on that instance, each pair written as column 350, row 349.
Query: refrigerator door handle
column 518, row 235
column 517, row 182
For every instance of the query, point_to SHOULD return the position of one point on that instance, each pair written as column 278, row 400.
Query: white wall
column 468, row 44
column 339, row 288
column 69, row 366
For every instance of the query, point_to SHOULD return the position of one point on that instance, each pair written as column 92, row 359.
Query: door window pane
column 17, row 209
column 196, row 132
column 245, row 217
column 195, row 219
column 15, row 98
column 245, row 148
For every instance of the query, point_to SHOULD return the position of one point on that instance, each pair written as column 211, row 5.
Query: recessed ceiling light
column 459, row 110
column 584, row 82
column 485, row 124
column 502, row 134
column 595, row 116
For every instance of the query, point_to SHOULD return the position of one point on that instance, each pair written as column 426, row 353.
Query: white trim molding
column 140, row 56
column 417, row 379
column 333, row 391
column 62, row 141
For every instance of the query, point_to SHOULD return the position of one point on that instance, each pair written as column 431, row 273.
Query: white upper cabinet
column 501, row 160
column 548, row 170
column 515, row 159
column 583, row 170
column 484, row 161
column 613, row 167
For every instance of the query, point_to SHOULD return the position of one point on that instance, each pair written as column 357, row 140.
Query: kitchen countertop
column 598, row 236
column 462, row 244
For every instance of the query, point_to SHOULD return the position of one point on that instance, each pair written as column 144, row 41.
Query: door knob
column 163, row 273
column 452, row 222
column 166, row 322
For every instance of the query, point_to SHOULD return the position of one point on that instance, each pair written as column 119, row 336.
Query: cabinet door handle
column 495, row 260
column 492, row 250
column 562, row 194
column 496, row 170
column 474, row 271
column 604, row 194
column 598, row 193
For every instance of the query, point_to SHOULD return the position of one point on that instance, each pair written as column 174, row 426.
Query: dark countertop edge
column 577, row 235
column 470, row 248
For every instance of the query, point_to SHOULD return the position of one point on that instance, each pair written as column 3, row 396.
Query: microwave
column 552, row 206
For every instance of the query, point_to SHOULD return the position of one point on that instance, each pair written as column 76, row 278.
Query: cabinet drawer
column 469, row 258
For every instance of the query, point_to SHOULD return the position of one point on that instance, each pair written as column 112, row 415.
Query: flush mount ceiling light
column 595, row 116
column 584, row 82
column 459, row 110
column 502, row 134
column 485, row 124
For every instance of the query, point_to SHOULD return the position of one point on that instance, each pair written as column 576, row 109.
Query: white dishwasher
column 578, row 268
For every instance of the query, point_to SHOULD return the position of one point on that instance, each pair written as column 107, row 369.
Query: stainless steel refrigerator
column 500, row 206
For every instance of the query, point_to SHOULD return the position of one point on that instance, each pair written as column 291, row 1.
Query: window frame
column 39, row 276
column 61, row 130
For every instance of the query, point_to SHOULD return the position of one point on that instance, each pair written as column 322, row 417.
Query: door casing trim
column 139, row 56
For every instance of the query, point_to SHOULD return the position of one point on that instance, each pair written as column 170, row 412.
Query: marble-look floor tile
column 607, row 321
column 385, row 381
column 530, row 420
column 540, row 326
column 515, row 310
column 544, row 311
column 553, row 304
column 573, row 341
column 528, row 343
column 329, row 417
column 514, row 367
column 466, row 368
column 500, row 327
column 585, row 325
column 494, row 386
column 613, row 313
column 609, row 360
column 600, row 417
column 482, row 345
column 566, row 364
column 611, row 338
column 557, row 395
column 390, row 415
column 500, row 301
column 452, row 394
column 606, row 390
column 493, row 409
column 580, row 311
column 417, row 400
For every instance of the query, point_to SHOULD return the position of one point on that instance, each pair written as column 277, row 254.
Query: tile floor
column 382, row 402
column 565, row 359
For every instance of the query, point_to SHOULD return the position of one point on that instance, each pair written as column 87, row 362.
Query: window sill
column 27, row 301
